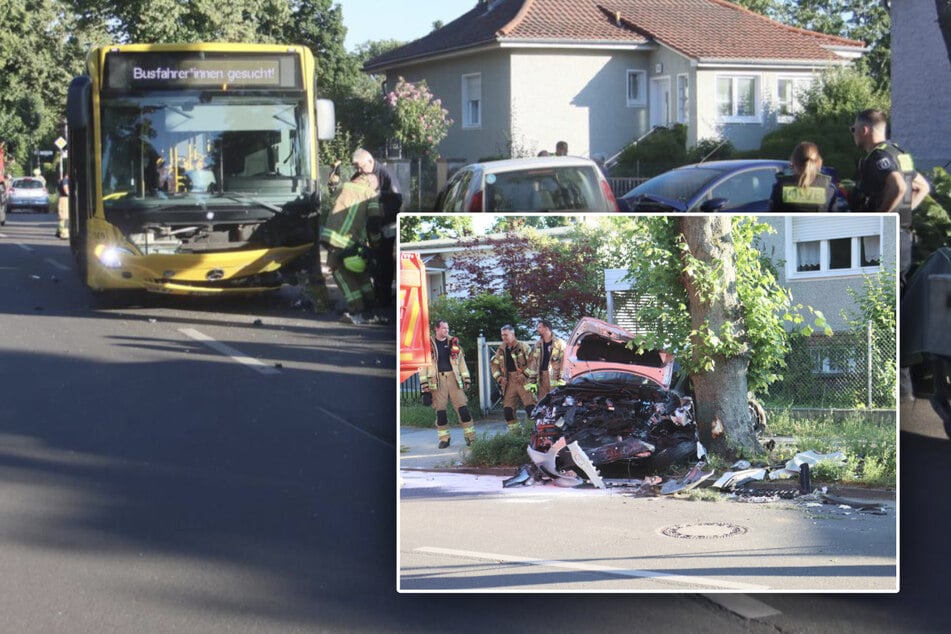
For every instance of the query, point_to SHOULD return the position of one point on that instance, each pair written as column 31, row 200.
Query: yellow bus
column 193, row 167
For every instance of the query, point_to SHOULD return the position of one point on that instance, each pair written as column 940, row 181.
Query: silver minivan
column 550, row 183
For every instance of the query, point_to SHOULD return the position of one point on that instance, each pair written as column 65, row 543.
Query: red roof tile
column 699, row 29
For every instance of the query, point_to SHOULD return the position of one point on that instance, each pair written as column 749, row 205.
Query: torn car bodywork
column 617, row 409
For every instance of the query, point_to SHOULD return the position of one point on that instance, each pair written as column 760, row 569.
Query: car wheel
column 663, row 459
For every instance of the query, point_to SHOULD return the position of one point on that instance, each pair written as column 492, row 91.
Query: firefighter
column 510, row 370
column 887, row 179
column 351, row 230
column 545, row 362
column 446, row 379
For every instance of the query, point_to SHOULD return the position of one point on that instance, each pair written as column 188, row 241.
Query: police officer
column 446, row 379
column 807, row 188
column 887, row 180
column 546, row 360
column 510, row 370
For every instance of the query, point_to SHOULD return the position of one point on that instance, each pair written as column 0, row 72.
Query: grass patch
column 870, row 448
column 500, row 450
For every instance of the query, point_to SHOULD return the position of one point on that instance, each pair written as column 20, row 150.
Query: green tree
column 42, row 47
column 703, row 292
column 869, row 22
column 415, row 228
column 876, row 316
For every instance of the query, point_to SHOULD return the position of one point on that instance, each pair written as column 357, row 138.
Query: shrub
column 501, row 450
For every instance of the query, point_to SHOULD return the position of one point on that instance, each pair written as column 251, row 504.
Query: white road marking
column 742, row 605
column 228, row 351
column 25, row 247
column 587, row 567
column 55, row 264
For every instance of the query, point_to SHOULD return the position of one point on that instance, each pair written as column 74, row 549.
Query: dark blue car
column 737, row 186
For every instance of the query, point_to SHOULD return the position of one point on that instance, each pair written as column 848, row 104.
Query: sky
column 368, row 20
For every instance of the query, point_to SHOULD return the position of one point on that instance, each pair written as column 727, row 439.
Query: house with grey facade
column 519, row 75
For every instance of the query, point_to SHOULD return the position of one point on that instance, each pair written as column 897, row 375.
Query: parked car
column 28, row 193
column 740, row 186
column 616, row 404
column 552, row 183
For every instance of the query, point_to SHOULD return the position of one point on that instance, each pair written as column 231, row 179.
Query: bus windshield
column 162, row 150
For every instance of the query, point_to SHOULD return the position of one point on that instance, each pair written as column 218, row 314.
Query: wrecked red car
column 615, row 411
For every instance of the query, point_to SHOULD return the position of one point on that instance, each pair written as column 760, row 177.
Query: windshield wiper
column 241, row 198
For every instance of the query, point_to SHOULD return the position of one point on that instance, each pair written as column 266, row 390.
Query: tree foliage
column 862, row 20
column 660, row 265
column 42, row 46
column 44, row 43
column 545, row 277
column 419, row 121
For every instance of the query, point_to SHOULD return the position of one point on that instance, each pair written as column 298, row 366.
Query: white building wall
column 921, row 76
column 579, row 98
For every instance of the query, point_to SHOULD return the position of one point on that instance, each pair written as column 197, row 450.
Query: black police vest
column 906, row 164
column 795, row 198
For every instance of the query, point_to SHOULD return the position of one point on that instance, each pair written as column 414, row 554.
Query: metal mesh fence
column 847, row 370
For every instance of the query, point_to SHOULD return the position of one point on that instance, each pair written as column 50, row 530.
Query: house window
column 636, row 88
column 472, row 101
column 788, row 91
column 736, row 98
column 683, row 99
column 849, row 246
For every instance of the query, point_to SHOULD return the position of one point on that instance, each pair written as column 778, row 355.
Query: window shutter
column 809, row 229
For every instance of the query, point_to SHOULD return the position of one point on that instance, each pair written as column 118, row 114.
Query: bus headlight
column 111, row 257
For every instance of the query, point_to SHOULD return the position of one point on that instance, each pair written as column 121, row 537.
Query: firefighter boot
column 469, row 433
column 442, row 432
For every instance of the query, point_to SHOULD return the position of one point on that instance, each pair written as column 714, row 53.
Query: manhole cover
column 710, row 530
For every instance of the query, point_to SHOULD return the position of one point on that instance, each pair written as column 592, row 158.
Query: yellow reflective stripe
column 906, row 163
column 336, row 239
column 809, row 195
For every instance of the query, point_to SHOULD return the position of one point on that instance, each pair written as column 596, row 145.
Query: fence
column 846, row 371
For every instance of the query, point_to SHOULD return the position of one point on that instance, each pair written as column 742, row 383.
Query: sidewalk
column 418, row 446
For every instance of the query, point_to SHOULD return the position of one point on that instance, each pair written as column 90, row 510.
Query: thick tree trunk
column 721, row 393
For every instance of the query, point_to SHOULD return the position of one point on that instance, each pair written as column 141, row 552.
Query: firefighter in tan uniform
column 446, row 379
column 510, row 370
column 546, row 361
column 351, row 229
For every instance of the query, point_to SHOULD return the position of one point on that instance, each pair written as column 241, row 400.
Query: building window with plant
column 851, row 246
column 472, row 101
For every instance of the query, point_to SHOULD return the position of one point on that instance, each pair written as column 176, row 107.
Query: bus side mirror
column 78, row 102
column 326, row 120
